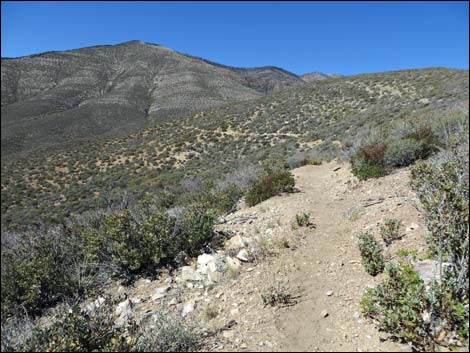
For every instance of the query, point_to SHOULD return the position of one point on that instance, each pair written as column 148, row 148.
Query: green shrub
column 138, row 246
column 401, row 153
column 426, row 136
column 402, row 305
column 168, row 333
column 77, row 330
column 398, row 305
column 408, row 254
column 368, row 162
column 39, row 270
column 195, row 230
column 364, row 170
column 43, row 268
column 303, row 219
column 137, row 242
column 221, row 199
column 16, row 330
column 442, row 185
column 451, row 130
column 390, row 230
column 371, row 254
column 314, row 161
column 270, row 185
column 276, row 294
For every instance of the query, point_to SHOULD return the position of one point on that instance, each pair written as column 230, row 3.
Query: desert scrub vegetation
column 437, row 312
column 38, row 188
column 41, row 269
column 277, row 294
column 169, row 332
column 403, row 152
column 76, row 329
column 304, row 219
column 442, row 185
column 138, row 243
column 390, row 230
column 397, row 305
column 270, row 184
column 371, row 254
column 410, row 311
column 368, row 162
column 378, row 154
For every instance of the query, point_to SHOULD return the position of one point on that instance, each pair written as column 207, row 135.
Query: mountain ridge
column 56, row 96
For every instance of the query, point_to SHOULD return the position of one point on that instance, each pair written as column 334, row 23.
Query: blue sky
column 334, row 37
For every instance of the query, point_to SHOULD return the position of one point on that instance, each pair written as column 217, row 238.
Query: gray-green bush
column 403, row 152
column 443, row 189
column 269, row 185
column 390, row 230
column 41, row 269
column 402, row 305
column 77, row 330
column 371, row 254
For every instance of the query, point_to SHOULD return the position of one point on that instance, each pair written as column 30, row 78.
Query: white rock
column 429, row 270
column 411, row 227
column 329, row 293
column 123, row 308
column 158, row 296
column 324, row 313
column 188, row 308
column 96, row 304
column 426, row 317
column 228, row 334
column 173, row 302
column 215, row 276
column 233, row 262
column 207, row 268
column 189, row 274
column 99, row 301
column 135, row 301
column 204, row 259
column 235, row 243
column 162, row 290
column 243, row 255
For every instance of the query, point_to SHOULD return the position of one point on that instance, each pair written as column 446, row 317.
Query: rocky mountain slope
column 324, row 117
column 55, row 97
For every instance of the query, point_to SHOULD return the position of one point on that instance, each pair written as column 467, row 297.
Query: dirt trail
column 321, row 265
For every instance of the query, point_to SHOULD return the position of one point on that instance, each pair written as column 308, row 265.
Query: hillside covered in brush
column 326, row 118
column 56, row 97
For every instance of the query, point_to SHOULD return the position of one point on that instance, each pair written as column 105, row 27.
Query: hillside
column 324, row 117
column 57, row 97
column 318, row 76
